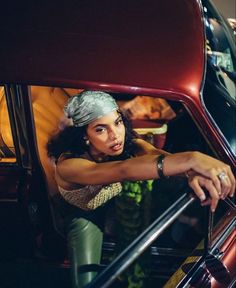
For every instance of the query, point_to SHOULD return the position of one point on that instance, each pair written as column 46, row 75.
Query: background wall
column 226, row 7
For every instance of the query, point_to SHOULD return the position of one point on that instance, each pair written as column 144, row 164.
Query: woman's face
column 107, row 135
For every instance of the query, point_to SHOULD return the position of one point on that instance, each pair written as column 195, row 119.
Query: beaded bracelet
column 160, row 161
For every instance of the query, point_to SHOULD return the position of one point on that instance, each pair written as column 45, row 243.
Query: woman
column 100, row 150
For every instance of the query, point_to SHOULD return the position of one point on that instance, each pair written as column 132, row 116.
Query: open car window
column 167, row 125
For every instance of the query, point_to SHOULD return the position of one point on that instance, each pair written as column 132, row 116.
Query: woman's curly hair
column 71, row 139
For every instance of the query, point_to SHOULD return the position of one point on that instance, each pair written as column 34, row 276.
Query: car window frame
column 206, row 5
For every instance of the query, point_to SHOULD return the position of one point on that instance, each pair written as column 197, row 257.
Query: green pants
column 85, row 247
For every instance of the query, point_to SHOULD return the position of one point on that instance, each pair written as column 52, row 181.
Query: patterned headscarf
column 88, row 106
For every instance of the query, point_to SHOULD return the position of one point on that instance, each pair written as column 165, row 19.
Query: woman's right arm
column 144, row 167
column 204, row 173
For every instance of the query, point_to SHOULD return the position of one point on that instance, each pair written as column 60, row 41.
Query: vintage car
column 172, row 66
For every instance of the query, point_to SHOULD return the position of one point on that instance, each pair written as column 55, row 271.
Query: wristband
column 160, row 162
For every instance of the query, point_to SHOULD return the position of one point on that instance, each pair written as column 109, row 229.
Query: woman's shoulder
column 66, row 164
column 144, row 147
column 70, row 155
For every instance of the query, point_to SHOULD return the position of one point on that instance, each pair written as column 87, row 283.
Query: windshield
column 219, row 93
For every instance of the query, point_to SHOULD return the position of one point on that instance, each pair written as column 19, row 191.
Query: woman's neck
column 97, row 156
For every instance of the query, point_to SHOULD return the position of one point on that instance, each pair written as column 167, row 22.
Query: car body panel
column 78, row 44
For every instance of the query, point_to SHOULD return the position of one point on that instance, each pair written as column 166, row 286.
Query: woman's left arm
column 202, row 175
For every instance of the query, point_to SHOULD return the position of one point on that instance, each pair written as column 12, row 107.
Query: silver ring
column 222, row 176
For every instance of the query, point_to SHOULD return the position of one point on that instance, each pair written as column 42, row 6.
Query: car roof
column 127, row 45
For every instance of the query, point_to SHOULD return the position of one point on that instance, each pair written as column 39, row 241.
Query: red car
column 181, row 56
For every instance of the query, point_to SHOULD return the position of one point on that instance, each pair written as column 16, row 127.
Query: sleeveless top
column 90, row 197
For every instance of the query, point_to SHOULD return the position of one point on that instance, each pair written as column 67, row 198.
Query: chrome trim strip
column 219, row 242
column 232, row 284
column 230, row 203
column 226, row 228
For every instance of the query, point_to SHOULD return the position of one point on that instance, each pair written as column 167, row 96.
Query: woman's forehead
column 105, row 120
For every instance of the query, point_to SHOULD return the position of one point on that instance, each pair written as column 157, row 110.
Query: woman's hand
column 216, row 171
column 216, row 176
column 200, row 185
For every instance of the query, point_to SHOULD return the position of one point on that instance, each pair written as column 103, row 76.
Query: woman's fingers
column 216, row 181
column 216, row 170
column 193, row 183
column 206, row 202
column 213, row 192
column 198, row 183
column 232, row 181
column 225, row 184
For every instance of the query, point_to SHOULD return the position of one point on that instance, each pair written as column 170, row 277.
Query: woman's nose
column 113, row 134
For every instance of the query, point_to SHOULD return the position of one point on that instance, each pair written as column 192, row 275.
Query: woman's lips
column 116, row 146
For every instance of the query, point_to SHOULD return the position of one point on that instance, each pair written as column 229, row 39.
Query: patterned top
column 91, row 197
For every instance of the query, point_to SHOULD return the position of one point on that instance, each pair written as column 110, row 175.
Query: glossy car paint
column 104, row 44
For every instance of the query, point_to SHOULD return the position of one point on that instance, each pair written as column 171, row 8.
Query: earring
column 86, row 141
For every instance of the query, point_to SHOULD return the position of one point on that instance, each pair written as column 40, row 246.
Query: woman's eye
column 100, row 129
column 120, row 121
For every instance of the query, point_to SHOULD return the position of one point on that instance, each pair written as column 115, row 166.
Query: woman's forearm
column 145, row 167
